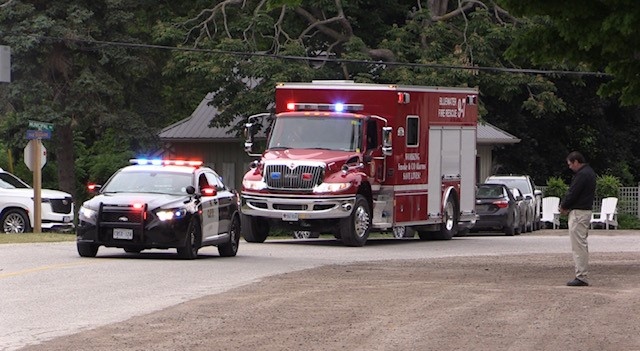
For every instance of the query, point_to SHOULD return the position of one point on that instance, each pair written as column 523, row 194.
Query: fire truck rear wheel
column 449, row 225
column 254, row 229
column 354, row 230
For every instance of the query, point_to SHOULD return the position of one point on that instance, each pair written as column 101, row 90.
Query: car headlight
column 331, row 187
column 171, row 214
column 87, row 215
column 253, row 184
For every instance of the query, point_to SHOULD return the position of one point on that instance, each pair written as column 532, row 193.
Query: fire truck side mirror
column 387, row 148
column 248, row 137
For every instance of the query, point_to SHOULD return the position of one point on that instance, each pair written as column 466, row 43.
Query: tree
column 84, row 89
column 597, row 35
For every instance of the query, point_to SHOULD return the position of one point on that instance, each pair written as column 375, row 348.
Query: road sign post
column 35, row 156
column 37, row 185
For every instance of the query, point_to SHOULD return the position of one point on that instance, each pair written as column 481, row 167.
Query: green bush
column 628, row 221
column 556, row 187
column 608, row 185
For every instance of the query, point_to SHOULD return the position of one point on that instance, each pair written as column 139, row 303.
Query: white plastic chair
column 550, row 211
column 608, row 213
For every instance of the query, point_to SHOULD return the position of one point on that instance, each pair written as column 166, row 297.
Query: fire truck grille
column 300, row 177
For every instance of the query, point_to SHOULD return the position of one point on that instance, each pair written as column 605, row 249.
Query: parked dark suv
column 528, row 190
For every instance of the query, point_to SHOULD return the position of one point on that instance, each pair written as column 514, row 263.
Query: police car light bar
column 338, row 107
column 159, row 162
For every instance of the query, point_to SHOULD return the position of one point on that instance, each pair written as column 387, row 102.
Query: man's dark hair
column 576, row 156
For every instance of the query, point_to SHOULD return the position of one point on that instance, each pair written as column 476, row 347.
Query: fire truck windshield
column 314, row 132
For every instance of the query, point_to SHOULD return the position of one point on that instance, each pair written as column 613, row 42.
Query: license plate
column 289, row 216
column 121, row 233
column 66, row 219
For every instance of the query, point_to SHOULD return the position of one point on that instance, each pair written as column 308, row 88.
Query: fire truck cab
column 348, row 158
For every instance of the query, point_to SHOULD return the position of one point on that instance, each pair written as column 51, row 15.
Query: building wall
column 228, row 159
column 484, row 162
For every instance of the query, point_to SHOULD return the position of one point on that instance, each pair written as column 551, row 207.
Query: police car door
column 210, row 208
column 226, row 202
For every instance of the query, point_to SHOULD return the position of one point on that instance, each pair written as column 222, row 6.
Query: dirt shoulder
column 470, row 303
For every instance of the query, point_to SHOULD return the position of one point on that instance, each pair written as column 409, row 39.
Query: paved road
column 46, row 290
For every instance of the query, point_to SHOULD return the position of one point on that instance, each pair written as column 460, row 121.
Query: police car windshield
column 312, row 132
column 149, row 182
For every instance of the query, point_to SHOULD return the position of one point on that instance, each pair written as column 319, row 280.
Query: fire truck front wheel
column 354, row 230
column 254, row 229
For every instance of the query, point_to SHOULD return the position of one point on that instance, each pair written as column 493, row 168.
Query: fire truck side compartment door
column 435, row 171
column 468, row 170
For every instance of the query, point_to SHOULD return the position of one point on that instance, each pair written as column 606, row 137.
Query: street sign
column 28, row 154
column 38, row 134
column 41, row 125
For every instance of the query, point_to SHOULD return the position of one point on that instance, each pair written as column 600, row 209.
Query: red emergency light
column 337, row 107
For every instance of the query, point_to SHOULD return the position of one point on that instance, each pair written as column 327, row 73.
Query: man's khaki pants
column 579, row 222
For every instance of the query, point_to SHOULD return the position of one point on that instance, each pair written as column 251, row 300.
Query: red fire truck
column 348, row 158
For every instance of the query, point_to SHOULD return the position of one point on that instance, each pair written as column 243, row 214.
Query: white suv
column 16, row 206
column 532, row 196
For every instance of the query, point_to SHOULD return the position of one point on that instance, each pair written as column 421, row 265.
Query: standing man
column 578, row 203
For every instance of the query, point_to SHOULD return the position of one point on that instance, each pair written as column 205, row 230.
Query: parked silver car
column 529, row 191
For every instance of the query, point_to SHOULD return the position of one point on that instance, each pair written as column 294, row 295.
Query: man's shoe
column 577, row 282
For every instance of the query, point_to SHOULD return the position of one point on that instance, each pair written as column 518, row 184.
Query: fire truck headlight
column 87, row 215
column 254, row 184
column 331, row 187
column 170, row 214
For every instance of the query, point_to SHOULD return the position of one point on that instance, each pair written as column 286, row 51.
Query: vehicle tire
column 449, row 226
column 87, row 249
column 193, row 240
column 354, row 230
column 15, row 221
column 254, row 229
column 230, row 249
column 510, row 228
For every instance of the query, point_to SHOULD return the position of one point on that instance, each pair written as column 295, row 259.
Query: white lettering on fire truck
column 451, row 107
column 412, row 170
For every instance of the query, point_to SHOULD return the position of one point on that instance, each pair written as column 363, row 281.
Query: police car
column 160, row 204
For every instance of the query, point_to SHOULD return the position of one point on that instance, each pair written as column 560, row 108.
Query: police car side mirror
column 387, row 148
column 94, row 189
column 191, row 190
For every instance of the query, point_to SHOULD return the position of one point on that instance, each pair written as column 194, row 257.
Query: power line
column 328, row 60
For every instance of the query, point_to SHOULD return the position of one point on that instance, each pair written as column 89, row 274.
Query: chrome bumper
column 296, row 208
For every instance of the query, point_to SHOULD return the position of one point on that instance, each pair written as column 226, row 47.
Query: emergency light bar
column 157, row 162
column 338, row 107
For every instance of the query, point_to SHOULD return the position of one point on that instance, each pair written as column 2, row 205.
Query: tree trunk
column 66, row 159
column 437, row 8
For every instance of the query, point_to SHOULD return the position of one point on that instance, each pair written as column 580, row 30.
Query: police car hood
column 326, row 156
column 153, row 201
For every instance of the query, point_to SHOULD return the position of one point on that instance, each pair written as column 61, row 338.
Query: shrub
column 628, row 221
column 556, row 187
column 607, row 185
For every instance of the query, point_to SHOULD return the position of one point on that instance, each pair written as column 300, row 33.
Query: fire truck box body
column 371, row 157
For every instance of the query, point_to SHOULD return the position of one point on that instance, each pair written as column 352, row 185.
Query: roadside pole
column 35, row 157
column 37, row 187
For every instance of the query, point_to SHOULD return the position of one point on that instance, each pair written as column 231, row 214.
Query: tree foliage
column 597, row 35
column 108, row 101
